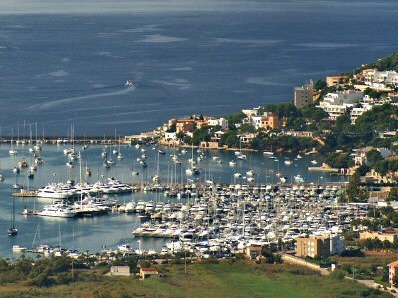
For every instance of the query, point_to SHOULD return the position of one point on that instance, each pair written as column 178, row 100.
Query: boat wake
column 68, row 100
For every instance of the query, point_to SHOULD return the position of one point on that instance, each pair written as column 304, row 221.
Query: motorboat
column 57, row 210
column 129, row 83
column 17, row 248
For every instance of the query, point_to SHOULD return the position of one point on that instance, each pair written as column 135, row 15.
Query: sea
column 65, row 63
column 93, row 233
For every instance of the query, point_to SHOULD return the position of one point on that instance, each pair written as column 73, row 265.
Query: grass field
column 226, row 279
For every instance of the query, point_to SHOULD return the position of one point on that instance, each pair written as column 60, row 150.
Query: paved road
column 294, row 260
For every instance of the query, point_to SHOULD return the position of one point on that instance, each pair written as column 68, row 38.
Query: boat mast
column 80, row 167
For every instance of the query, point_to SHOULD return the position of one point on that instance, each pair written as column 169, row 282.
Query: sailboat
column 88, row 170
column 241, row 156
column 12, row 151
column 119, row 153
column 1, row 177
column 192, row 170
column 12, row 231
column 156, row 178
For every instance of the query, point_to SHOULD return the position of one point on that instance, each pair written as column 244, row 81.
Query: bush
column 338, row 274
column 42, row 280
column 352, row 253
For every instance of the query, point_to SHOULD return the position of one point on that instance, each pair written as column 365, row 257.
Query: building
column 358, row 111
column 250, row 112
column 313, row 246
column 381, row 79
column 336, row 80
column 148, row 271
column 336, row 104
column 170, row 135
column 337, row 245
column 120, row 271
column 246, row 138
column 297, row 134
column 209, row 145
column 303, row 95
column 267, row 121
column 392, row 271
column 222, row 122
column 185, row 125
column 389, row 235
column 253, row 251
column 393, row 97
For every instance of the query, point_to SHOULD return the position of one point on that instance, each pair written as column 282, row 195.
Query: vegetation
column 234, row 119
column 232, row 278
column 339, row 160
column 230, row 139
column 285, row 143
column 372, row 157
column 354, row 192
column 201, row 135
column 384, row 166
column 371, row 265
column 385, row 63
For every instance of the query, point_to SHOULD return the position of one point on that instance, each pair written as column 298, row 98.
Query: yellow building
column 185, row 125
column 336, row 80
column 314, row 246
column 267, row 121
column 392, row 271
column 253, row 251
column 389, row 235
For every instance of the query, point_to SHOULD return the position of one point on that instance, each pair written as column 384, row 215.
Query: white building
column 120, row 271
column 250, row 112
column 222, row 122
column 170, row 135
column 336, row 104
column 337, row 245
column 380, row 79
column 356, row 112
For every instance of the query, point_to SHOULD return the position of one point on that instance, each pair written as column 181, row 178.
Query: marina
column 100, row 207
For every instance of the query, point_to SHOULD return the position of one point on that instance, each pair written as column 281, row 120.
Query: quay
column 25, row 194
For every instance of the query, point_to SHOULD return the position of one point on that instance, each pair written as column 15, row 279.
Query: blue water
column 62, row 65
column 113, row 229
column 65, row 62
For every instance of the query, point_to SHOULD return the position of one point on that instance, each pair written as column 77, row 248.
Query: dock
column 25, row 194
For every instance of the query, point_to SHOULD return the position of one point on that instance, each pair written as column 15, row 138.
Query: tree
column 180, row 135
column 172, row 128
column 343, row 124
column 362, row 170
column 381, row 167
column 230, row 139
column 339, row 160
column 314, row 113
column 373, row 156
column 320, row 85
column 235, row 118
column 354, row 192
column 201, row 134
column 392, row 195
column 247, row 128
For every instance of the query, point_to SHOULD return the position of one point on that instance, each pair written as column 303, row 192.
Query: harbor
column 115, row 193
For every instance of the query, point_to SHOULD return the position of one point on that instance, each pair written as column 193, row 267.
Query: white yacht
column 299, row 179
column 57, row 210
column 54, row 192
column 13, row 152
column 17, row 248
column 242, row 156
column 129, row 83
